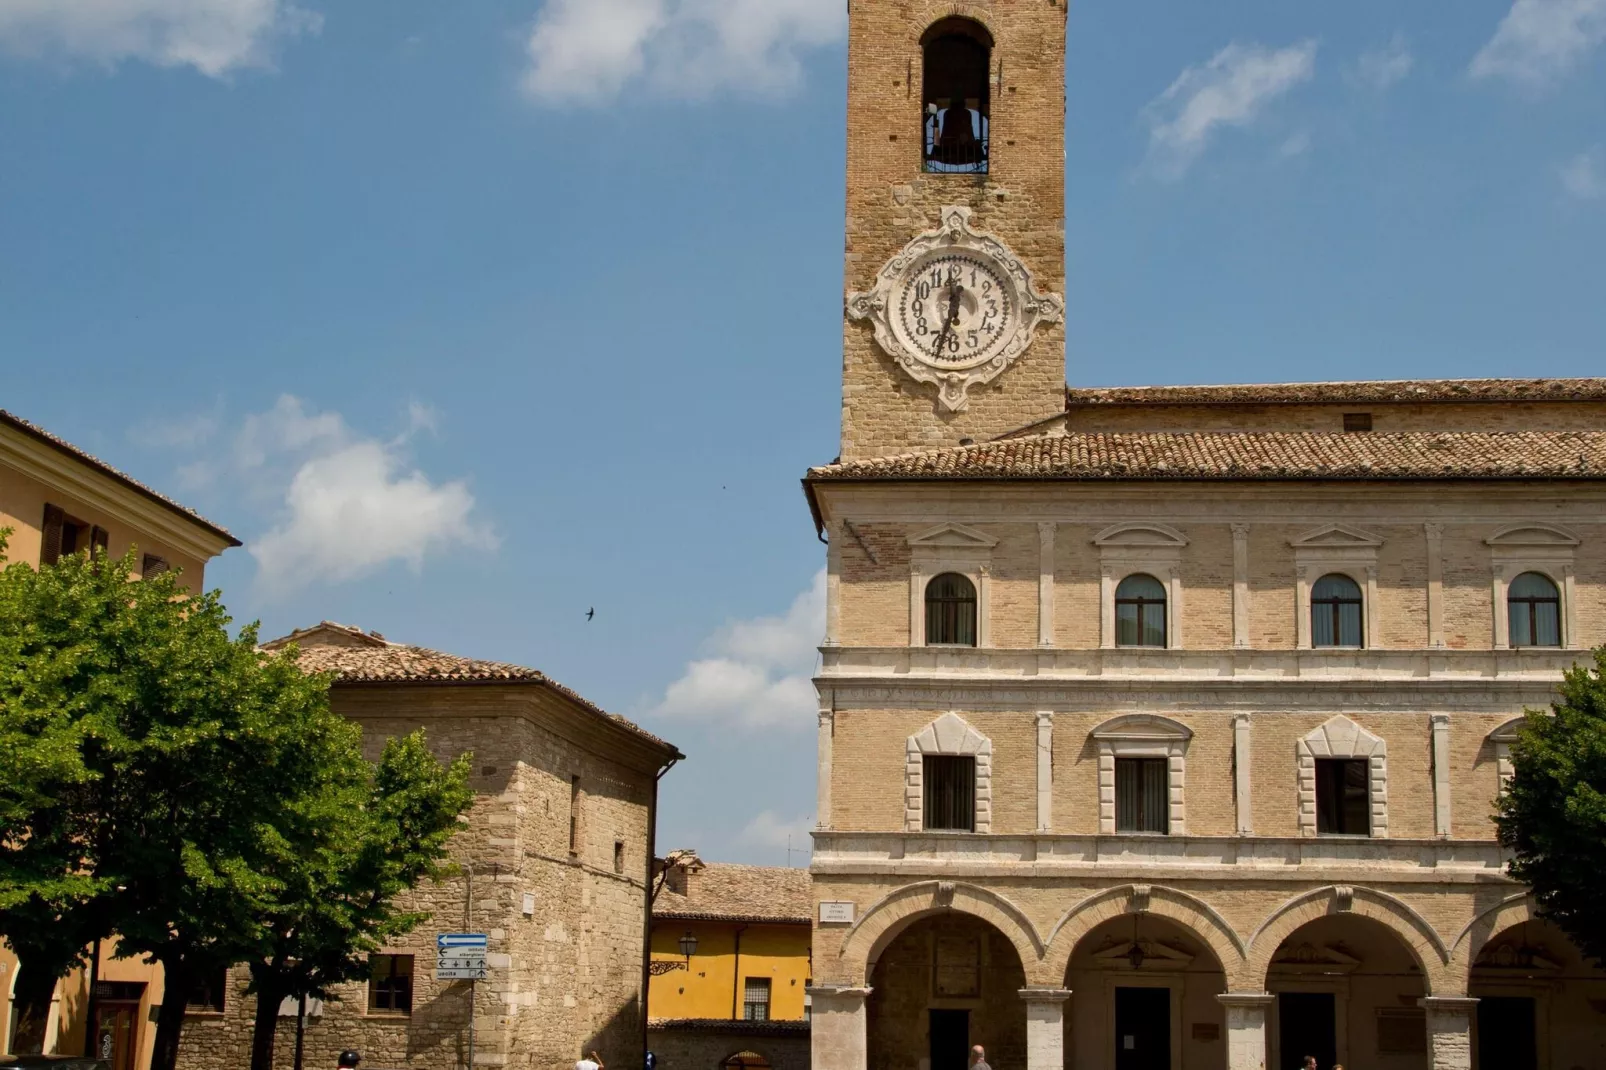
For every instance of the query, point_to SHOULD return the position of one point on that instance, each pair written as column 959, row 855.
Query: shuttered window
column 950, row 790
column 50, row 533
column 756, row 999
column 1141, row 795
column 153, row 565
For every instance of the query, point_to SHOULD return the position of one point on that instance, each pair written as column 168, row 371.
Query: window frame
column 1340, row 737
column 1145, row 823
column 1143, row 735
column 1336, row 549
column 748, row 1004
column 931, row 784
column 950, row 548
column 1359, row 601
column 193, row 1005
column 1146, row 548
column 974, row 602
column 1532, row 604
column 1533, row 547
column 949, row 735
column 1335, row 812
column 968, row 28
column 378, row 985
column 1142, row 604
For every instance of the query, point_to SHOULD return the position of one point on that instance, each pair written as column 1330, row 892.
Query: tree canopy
column 1553, row 814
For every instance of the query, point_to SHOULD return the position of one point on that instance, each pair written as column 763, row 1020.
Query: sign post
column 461, row 957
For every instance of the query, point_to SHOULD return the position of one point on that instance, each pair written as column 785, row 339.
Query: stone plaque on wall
column 836, row 913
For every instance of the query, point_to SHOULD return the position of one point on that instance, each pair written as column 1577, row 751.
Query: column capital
column 1045, row 995
column 1253, row 1000
column 1449, row 1005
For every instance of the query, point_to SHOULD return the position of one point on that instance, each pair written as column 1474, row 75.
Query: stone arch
column 930, row 14
column 1195, row 916
column 897, row 910
column 1423, row 940
column 746, row 1057
column 1512, row 910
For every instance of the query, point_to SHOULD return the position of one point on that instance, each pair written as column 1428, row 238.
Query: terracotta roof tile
column 1402, row 391
column 38, row 433
column 358, row 657
column 723, row 891
column 1249, row 455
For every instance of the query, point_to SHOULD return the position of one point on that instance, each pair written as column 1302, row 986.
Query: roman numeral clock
column 955, row 308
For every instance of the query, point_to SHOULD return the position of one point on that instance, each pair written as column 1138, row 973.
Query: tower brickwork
column 894, row 193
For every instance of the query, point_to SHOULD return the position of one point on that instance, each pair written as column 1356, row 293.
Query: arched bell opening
column 1539, row 1000
column 1347, row 991
column 1144, row 992
column 944, row 983
column 956, row 98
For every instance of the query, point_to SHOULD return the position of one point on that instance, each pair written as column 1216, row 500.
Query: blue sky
column 470, row 317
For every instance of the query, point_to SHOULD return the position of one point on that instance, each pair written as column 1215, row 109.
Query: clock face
column 956, row 309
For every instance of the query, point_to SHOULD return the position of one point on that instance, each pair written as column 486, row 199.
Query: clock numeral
column 920, row 325
column 972, row 336
column 923, row 290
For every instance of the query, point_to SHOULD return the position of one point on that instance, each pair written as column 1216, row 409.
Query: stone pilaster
column 1045, row 1027
column 1449, row 1031
column 837, row 1031
column 1246, row 1028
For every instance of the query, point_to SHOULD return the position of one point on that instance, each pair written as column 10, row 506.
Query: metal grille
column 1141, row 790
column 756, row 999
column 950, row 790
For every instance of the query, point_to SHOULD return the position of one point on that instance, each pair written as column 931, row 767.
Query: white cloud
column 767, row 829
column 183, row 432
column 213, row 36
column 1584, row 176
column 1382, row 66
column 1232, row 89
column 758, row 673
column 1541, row 40
column 589, row 51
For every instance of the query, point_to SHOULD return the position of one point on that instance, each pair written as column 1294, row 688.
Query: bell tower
column 955, row 253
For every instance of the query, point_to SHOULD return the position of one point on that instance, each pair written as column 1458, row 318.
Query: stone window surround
column 1347, row 551
column 947, row 548
column 1140, row 547
column 1501, row 740
column 1340, row 737
column 1542, row 548
column 949, row 734
column 1143, row 735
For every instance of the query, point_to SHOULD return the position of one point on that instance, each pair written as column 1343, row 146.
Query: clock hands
column 951, row 318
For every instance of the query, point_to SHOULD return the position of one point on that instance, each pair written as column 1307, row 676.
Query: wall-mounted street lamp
column 688, row 947
column 1136, row 956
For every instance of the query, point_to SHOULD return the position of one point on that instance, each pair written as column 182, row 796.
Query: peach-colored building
column 56, row 499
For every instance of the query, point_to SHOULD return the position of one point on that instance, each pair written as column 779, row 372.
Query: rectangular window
column 153, row 565
column 390, row 984
column 574, row 814
column 950, row 790
column 1343, row 797
column 618, row 856
column 207, row 996
column 1357, row 421
column 756, row 999
column 1142, row 790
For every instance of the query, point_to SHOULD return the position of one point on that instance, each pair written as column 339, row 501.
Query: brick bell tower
column 955, row 255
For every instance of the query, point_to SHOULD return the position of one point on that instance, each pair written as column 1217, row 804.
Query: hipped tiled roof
column 1248, row 455
column 725, row 892
column 368, row 658
column 1402, row 391
column 39, row 434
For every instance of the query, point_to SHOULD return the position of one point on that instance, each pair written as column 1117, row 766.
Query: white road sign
column 460, row 956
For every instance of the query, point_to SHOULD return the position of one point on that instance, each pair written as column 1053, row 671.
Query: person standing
column 978, row 1059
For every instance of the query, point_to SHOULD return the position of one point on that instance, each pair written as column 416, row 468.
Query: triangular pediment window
column 953, row 537
column 1341, row 536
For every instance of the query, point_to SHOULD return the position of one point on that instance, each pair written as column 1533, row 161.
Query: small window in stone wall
column 618, row 856
column 390, row 984
column 1343, row 797
column 1142, row 795
column 207, row 996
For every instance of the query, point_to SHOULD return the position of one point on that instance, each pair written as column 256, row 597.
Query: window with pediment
column 1532, row 571
column 1141, row 603
column 1534, row 604
column 950, row 578
column 1335, row 587
column 1337, row 610
column 1342, row 768
column 1142, row 774
column 1140, row 611
column 950, row 611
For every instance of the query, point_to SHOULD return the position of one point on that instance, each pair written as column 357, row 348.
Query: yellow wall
column 713, row 984
column 64, row 1034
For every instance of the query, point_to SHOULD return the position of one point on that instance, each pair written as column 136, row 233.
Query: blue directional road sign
column 460, row 956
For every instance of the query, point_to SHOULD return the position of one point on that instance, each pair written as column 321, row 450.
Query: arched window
column 1140, row 612
column 951, row 611
column 1335, row 611
column 745, row 1060
column 955, row 101
column 1535, row 607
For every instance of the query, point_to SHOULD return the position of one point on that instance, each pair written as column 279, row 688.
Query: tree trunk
column 177, row 982
column 270, row 994
column 301, row 1029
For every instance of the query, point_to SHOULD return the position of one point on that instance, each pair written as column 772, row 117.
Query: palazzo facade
column 1162, row 727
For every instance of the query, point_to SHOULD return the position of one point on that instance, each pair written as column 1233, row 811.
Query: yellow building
column 730, row 966
column 56, row 499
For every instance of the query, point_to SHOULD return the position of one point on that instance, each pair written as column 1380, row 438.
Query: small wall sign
column 832, row 913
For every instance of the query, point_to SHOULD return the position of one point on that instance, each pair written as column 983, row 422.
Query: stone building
column 730, row 966
column 555, row 864
column 1162, row 727
column 55, row 499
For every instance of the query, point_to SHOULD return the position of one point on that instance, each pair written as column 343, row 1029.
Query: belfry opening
column 955, row 95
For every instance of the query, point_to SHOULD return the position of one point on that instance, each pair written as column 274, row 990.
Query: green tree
column 192, row 752
column 1553, row 815
column 373, row 832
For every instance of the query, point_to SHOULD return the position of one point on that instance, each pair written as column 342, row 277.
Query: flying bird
column 592, row 612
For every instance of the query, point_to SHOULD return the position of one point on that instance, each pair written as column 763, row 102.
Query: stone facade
column 1249, row 832
column 554, row 862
